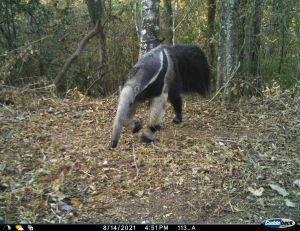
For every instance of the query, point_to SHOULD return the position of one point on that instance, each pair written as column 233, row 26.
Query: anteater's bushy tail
column 192, row 68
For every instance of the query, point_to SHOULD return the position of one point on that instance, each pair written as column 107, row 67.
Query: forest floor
column 226, row 163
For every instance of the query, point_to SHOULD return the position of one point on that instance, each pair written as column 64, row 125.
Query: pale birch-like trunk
column 150, row 25
column 228, row 46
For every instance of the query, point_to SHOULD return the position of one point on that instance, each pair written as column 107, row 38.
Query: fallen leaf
column 256, row 192
column 297, row 182
column 221, row 143
column 260, row 177
column 168, row 214
column 289, row 203
column 2, row 167
column 75, row 201
column 140, row 193
column 279, row 189
column 57, row 183
column 196, row 170
column 66, row 207
column 105, row 163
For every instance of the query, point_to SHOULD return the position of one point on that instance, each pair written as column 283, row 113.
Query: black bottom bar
column 134, row 227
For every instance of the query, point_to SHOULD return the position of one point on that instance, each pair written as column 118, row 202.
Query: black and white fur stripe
column 158, row 77
column 158, row 103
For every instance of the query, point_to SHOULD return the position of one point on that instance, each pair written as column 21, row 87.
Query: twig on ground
column 59, row 217
column 135, row 164
column 7, row 108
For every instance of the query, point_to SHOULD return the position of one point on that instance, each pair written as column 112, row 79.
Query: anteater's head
column 126, row 101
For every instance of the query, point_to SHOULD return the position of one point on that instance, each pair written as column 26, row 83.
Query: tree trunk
column 168, row 16
column 136, row 14
column 256, row 39
column 282, row 30
column 96, row 12
column 251, row 44
column 210, row 38
column 250, row 49
column 8, row 29
column 150, row 25
column 243, row 11
column 228, row 46
column 101, row 41
column 211, row 30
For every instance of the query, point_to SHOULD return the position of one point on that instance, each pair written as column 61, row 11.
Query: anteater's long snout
column 124, row 106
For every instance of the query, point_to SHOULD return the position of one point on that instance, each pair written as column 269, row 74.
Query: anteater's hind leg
column 157, row 111
column 176, row 101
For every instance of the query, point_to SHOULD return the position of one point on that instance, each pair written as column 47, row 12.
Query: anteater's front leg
column 157, row 111
column 135, row 125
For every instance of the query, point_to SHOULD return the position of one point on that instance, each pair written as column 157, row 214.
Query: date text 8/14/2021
column 147, row 227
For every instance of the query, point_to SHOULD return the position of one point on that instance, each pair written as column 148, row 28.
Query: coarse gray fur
column 159, row 75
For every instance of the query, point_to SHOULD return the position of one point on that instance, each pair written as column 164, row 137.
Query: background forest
column 38, row 36
column 233, row 161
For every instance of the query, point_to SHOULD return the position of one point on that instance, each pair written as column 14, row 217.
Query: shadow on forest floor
column 224, row 164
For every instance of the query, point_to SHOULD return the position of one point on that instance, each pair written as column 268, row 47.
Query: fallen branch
column 225, row 85
column 59, row 80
